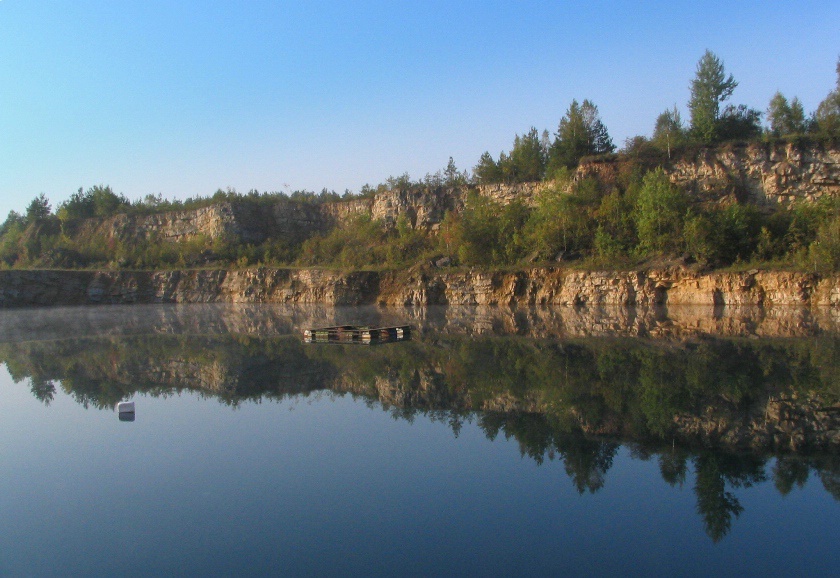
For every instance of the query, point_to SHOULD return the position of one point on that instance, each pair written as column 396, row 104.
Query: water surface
column 454, row 454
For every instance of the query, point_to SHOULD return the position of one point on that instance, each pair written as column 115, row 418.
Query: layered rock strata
column 538, row 286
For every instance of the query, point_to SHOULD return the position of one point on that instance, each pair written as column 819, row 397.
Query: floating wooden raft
column 356, row 334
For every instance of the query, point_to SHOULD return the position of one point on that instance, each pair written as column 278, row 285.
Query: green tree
column 702, row 240
column 668, row 132
column 723, row 235
column 527, row 158
column 39, row 209
column 739, row 123
column 14, row 220
column 561, row 225
column 824, row 252
column 580, row 133
column 97, row 201
column 709, row 89
column 659, row 212
column 827, row 115
column 615, row 234
column 525, row 162
column 785, row 117
column 451, row 176
column 487, row 170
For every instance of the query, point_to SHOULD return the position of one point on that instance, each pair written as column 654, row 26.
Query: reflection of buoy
column 126, row 410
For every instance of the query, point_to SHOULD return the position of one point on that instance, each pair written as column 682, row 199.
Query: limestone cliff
column 555, row 286
column 421, row 287
column 765, row 174
column 761, row 173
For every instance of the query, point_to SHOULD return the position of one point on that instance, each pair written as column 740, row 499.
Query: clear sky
column 184, row 97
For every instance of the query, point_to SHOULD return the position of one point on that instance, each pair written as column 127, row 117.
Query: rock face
column 246, row 222
column 28, row 288
column 539, row 286
column 550, row 286
column 761, row 173
column 764, row 174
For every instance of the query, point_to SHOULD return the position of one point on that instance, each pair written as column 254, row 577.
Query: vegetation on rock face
column 624, row 220
column 639, row 216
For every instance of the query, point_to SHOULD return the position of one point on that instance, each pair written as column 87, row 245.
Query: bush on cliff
column 364, row 243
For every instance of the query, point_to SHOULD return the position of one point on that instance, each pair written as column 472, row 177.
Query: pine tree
column 527, row 158
column 487, row 170
column 579, row 134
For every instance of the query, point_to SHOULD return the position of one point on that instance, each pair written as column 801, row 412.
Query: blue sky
column 182, row 98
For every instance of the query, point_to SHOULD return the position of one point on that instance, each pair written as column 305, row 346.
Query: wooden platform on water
column 362, row 335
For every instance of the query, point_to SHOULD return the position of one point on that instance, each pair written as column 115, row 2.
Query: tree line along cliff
column 719, row 190
column 772, row 205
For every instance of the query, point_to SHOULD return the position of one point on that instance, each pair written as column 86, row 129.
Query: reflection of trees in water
column 673, row 466
column 789, row 472
column 828, row 469
column 544, row 394
column 42, row 389
column 588, row 461
column 715, row 504
column 101, row 372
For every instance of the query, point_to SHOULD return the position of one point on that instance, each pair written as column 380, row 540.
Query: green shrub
column 824, row 251
column 659, row 213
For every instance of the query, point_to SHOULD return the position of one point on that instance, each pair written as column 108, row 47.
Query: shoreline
column 540, row 286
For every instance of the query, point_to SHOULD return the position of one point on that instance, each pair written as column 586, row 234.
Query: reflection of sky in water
column 326, row 484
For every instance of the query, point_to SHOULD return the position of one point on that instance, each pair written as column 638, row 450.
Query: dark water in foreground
column 240, row 461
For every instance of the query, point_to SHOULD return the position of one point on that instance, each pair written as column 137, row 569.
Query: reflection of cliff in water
column 560, row 322
column 564, row 384
column 684, row 384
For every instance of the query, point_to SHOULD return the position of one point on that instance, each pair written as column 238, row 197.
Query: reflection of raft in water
column 357, row 334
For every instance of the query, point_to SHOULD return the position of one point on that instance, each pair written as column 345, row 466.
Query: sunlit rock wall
column 532, row 287
column 761, row 173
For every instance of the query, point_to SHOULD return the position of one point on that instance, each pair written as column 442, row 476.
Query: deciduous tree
column 668, row 132
column 659, row 213
column 709, row 89
column 827, row 115
column 785, row 117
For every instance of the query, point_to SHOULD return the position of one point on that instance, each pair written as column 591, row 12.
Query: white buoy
column 125, row 407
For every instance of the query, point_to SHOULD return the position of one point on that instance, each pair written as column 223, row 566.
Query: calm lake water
column 457, row 453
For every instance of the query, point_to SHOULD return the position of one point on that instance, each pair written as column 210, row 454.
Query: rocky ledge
column 420, row 287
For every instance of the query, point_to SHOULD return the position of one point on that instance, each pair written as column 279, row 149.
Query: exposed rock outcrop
column 761, row 173
column 765, row 174
column 553, row 286
column 539, row 286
